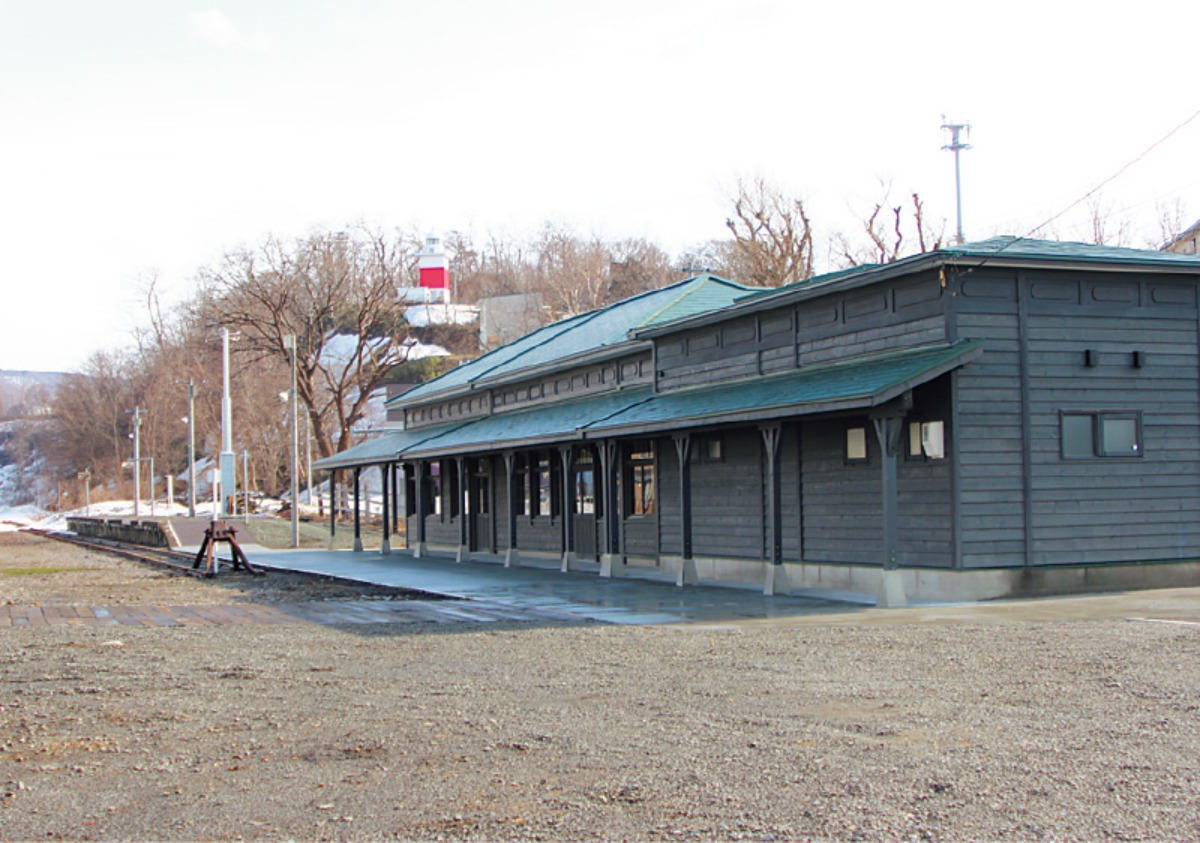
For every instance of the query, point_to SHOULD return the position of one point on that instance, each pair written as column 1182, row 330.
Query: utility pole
column 957, row 145
column 245, row 485
column 191, row 423
column 308, row 453
column 86, row 477
column 227, row 459
column 289, row 342
column 138, row 414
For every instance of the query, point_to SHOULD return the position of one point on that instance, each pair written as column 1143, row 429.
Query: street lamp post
column 191, row 423
column 289, row 342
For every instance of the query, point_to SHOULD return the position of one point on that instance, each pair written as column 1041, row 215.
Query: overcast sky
column 143, row 137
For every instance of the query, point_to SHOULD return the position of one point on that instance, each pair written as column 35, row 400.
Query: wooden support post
column 358, row 545
column 566, row 454
column 464, row 549
column 687, row 565
column 887, row 430
column 332, row 508
column 420, row 549
column 385, row 545
column 512, row 556
column 612, row 561
column 775, row 573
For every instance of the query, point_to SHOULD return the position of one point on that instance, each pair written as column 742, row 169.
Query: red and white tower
column 434, row 277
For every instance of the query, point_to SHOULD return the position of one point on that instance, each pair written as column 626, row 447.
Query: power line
column 1115, row 175
column 983, row 262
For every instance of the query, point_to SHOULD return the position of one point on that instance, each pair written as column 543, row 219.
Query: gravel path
column 1023, row 730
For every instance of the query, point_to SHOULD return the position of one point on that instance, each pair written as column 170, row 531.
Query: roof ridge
column 683, row 294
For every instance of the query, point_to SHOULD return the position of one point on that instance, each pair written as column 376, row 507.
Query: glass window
column 543, row 490
column 585, row 483
column 856, row 444
column 712, row 449
column 1119, row 437
column 1088, row 435
column 1078, row 436
column 926, row 440
column 435, row 488
column 640, row 472
column 521, row 469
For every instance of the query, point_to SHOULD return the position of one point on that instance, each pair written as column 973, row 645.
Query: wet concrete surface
column 639, row 600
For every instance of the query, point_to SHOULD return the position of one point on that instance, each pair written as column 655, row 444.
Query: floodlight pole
column 138, row 413
column 227, row 459
column 289, row 342
column 956, row 146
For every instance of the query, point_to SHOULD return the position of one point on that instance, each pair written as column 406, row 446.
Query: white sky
column 149, row 136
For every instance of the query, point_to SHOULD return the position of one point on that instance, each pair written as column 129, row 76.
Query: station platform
column 581, row 595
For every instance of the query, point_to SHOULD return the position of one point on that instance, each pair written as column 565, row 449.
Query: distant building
column 503, row 319
column 1187, row 243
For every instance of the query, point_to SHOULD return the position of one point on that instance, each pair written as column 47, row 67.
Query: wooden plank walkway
column 324, row 612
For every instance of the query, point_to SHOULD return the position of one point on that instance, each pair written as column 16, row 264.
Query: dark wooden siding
column 1095, row 510
column 901, row 314
column 728, row 498
column 925, row 506
column 842, row 521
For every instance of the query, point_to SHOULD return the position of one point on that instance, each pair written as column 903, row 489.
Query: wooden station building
column 999, row 418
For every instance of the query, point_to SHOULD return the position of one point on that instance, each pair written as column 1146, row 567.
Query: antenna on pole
column 956, row 145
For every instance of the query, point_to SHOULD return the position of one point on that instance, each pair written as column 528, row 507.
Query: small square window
column 926, row 440
column 856, row 444
column 1078, row 436
column 712, row 449
column 1088, row 435
column 1119, row 437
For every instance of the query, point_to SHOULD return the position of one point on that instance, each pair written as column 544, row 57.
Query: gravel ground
column 1082, row 730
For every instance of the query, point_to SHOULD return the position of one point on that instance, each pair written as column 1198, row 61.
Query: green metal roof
column 541, row 425
column 568, row 338
column 381, row 449
column 999, row 249
column 1023, row 248
column 865, row 383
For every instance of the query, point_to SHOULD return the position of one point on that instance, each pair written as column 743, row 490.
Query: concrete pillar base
column 612, row 565
column 512, row 558
column 385, row 548
column 891, row 591
column 358, row 546
column 568, row 559
column 462, row 554
column 420, row 550
column 776, row 580
column 686, row 575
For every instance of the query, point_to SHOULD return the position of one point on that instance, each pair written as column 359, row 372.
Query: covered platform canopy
column 836, row 387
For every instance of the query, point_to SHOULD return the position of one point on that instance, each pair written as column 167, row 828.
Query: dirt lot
column 1075, row 730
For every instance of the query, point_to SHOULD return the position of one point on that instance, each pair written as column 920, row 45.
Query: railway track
column 174, row 560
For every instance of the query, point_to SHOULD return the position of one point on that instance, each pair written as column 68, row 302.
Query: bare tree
column 337, row 294
column 772, row 237
column 884, row 229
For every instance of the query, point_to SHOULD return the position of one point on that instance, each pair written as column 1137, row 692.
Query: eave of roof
column 857, row 384
column 1007, row 252
column 381, row 449
column 537, row 426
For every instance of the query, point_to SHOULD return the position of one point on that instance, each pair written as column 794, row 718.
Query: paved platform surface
column 581, row 595
column 329, row 613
